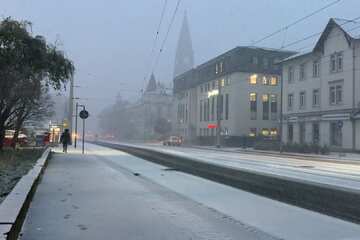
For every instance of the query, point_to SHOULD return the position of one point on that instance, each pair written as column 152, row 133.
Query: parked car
column 173, row 141
column 9, row 134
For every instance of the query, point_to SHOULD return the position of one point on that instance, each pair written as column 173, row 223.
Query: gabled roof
column 319, row 46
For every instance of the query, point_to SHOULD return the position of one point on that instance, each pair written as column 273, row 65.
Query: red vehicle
column 9, row 134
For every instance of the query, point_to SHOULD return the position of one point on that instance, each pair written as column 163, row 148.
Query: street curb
column 14, row 208
column 323, row 198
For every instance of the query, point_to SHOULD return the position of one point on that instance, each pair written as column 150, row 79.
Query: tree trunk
column 2, row 136
column 19, row 123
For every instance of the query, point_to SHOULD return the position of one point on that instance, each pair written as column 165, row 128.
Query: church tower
column 184, row 59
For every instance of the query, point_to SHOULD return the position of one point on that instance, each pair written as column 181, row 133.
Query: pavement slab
column 83, row 197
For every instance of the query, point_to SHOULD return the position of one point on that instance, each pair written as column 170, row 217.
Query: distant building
column 155, row 105
column 184, row 59
column 321, row 97
column 249, row 101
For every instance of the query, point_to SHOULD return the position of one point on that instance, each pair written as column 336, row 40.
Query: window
column 201, row 110
column 216, row 68
column 253, row 79
column 339, row 60
column 302, row 100
column 302, row 133
column 273, row 81
column 207, row 109
column 316, row 68
column 338, row 91
column 253, row 106
column 221, row 67
column 290, row 101
column 227, row 81
column 227, row 107
column 332, row 63
column 273, row 132
column 265, row 101
column 336, row 133
column 255, row 60
column 252, row 132
column 316, row 97
column 220, row 106
column 302, row 72
column 265, row 132
column 273, row 106
column 266, row 62
column 222, row 82
column 336, row 62
column 265, row 80
column 212, row 108
column 335, row 94
column 290, row 74
column 315, row 133
column 213, row 84
column 290, row 133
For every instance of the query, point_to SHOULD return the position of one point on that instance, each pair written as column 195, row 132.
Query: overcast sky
column 110, row 40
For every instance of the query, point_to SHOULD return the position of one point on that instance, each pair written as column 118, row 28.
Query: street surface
column 344, row 175
column 108, row 194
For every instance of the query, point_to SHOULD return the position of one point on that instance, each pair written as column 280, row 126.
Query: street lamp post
column 76, row 122
column 218, row 115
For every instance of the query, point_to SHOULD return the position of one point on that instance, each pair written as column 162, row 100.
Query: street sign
column 84, row 114
column 212, row 126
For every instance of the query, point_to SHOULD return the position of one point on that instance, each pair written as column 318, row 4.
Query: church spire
column 184, row 59
column 151, row 84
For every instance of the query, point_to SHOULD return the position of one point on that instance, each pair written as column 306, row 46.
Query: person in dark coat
column 65, row 139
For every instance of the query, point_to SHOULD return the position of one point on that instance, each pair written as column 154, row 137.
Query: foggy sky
column 110, row 40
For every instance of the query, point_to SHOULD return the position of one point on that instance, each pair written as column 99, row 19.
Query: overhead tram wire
column 316, row 34
column 296, row 22
column 156, row 35
column 167, row 35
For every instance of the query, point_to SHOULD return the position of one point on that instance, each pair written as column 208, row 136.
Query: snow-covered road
column 336, row 173
column 278, row 219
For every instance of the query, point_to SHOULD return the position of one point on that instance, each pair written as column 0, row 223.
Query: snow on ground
column 344, row 175
column 276, row 218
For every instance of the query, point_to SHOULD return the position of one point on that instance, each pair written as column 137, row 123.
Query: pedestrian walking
column 65, row 139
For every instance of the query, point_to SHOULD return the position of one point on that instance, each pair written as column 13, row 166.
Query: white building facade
column 321, row 92
column 241, row 87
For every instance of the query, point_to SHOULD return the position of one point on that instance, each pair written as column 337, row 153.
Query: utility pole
column 71, row 105
column 219, row 114
column 76, row 121
column 76, row 118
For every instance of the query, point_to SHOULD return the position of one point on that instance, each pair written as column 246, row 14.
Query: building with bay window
column 321, row 91
column 241, row 87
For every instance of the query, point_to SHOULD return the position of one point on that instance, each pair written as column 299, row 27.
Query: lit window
column 273, row 132
column 252, row 132
column 265, row 132
column 222, row 82
column 252, row 97
column 216, row 68
column 273, row 81
column 265, row 98
column 265, row 103
column 265, row 80
column 253, row 79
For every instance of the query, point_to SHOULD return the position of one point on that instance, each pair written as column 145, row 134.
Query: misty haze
column 179, row 119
